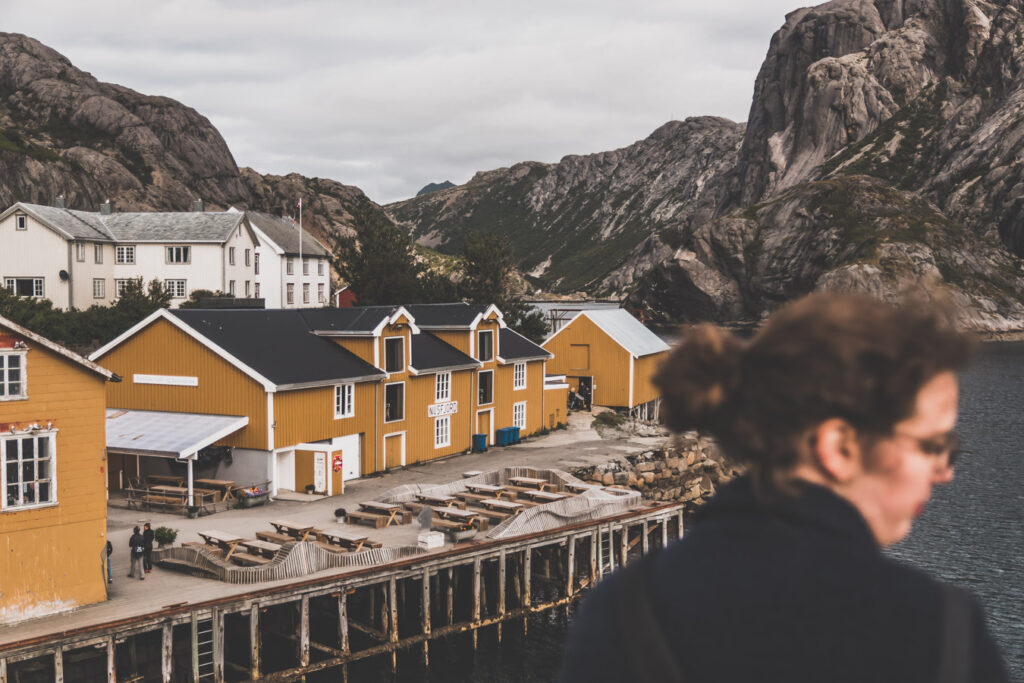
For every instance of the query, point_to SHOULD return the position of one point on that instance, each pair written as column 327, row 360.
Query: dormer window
column 12, row 376
column 21, row 222
column 485, row 345
column 394, row 354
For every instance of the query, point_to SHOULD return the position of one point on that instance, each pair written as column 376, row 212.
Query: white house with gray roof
column 80, row 258
column 289, row 275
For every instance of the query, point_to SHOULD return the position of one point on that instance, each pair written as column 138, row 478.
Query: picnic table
column 297, row 531
column 543, row 496
column 388, row 510
column 437, row 499
column 530, row 483
column 453, row 513
column 491, row 489
column 264, row 548
column 222, row 486
column 181, row 492
column 222, row 539
column 501, row 505
column 345, row 539
column 164, row 479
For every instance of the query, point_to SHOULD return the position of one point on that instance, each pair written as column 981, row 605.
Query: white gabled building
column 287, row 276
column 80, row 258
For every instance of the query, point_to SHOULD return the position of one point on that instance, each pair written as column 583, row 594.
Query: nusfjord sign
column 439, row 409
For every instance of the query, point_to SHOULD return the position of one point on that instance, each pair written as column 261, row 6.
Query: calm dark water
column 972, row 535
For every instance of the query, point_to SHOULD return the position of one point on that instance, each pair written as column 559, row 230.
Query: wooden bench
column 330, row 547
column 368, row 518
column 162, row 501
column 274, row 537
column 470, row 498
column 495, row 516
column 449, row 525
column 261, row 547
column 248, row 560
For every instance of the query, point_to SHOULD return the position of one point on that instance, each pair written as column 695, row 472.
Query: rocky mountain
column 919, row 103
column 434, row 187
column 62, row 132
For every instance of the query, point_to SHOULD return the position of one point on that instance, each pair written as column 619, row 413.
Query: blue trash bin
column 515, row 434
column 479, row 443
column 503, row 436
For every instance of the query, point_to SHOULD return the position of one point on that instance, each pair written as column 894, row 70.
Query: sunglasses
column 947, row 444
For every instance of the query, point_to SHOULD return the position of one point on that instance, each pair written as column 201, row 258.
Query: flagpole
column 302, row 268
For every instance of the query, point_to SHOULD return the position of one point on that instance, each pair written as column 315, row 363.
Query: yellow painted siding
column 555, row 401
column 505, row 396
column 457, row 338
column 50, row 558
column 608, row 362
column 644, row 370
column 360, row 346
column 305, row 415
column 163, row 349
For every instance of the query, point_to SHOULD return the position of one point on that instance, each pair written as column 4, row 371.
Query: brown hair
column 827, row 355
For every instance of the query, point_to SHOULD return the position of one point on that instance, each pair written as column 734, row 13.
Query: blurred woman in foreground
column 844, row 408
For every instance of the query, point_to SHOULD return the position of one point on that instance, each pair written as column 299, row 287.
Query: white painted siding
column 36, row 252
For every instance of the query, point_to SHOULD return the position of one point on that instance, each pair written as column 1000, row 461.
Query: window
column 256, row 291
column 290, row 296
column 305, row 292
column 519, row 376
column 119, row 286
column 442, row 431
column 319, row 266
column 21, row 222
column 394, row 402
column 248, row 289
column 99, row 288
column 97, row 253
column 231, row 287
column 12, row 376
column 443, row 387
column 80, row 251
column 231, row 256
column 124, row 254
column 394, row 356
column 485, row 345
column 485, row 387
column 290, row 266
column 344, row 401
column 176, row 288
column 28, row 469
column 305, row 266
column 179, row 255
column 248, row 257
column 256, row 263
column 320, row 294
column 519, row 415
column 25, row 286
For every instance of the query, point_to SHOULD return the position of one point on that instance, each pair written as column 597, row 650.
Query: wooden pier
column 328, row 622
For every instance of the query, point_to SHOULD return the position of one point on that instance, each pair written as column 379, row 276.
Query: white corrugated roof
column 629, row 332
column 176, row 435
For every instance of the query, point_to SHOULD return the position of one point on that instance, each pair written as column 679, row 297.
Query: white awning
column 167, row 435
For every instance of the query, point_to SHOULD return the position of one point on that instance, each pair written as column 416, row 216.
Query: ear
column 836, row 451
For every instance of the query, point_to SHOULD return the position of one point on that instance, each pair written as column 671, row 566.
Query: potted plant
column 253, row 496
column 164, row 535
column 193, row 511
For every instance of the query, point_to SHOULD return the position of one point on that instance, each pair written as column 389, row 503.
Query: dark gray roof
column 458, row 314
column 279, row 345
column 355, row 320
column 514, row 346
column 285, row 234
column 430, row 353
column 153, row 226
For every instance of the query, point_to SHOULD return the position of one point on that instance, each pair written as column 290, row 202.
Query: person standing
column 137, row 545
column 110, row 572
column 147, row 543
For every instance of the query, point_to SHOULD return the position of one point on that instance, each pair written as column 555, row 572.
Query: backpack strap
column 955, row 647
column 646, row 649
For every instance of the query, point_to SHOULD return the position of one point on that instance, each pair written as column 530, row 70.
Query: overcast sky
column 389, row 95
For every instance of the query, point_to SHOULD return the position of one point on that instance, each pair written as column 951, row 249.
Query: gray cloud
column 391, row 95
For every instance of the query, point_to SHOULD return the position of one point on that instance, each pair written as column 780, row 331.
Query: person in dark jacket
column 137, row 548
column 147, row 543
column 843, row 408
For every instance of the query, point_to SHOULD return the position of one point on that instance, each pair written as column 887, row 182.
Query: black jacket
column 137, row 544
column 147, row 538
column 769, row 588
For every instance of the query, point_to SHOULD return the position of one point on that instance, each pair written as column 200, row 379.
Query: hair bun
column 698, row 379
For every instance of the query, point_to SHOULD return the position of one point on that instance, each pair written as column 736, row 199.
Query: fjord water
column 972, row 534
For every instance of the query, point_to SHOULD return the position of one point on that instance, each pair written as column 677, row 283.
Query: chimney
column 106, row 208
column 198, row 206
column 60, row 202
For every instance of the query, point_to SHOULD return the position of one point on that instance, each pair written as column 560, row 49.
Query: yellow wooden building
column 330, row 394
column 610, row 358
column 53, row 504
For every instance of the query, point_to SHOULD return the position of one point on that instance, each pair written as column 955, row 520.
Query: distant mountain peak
column 435, row 187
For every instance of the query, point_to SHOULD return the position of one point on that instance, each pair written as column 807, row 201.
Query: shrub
column 165, row 535
column 609, row 419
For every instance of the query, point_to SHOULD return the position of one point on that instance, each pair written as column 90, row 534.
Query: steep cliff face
column 573, row 222
column 62, row 132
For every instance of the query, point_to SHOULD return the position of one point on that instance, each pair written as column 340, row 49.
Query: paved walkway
column 562, row 449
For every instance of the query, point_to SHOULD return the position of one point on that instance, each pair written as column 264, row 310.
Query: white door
column 320, row 472
column 350, row 453
column 286, row 470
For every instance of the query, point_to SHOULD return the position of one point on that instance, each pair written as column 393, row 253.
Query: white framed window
column 97, row 253
column 231, row 256
column 289, row 293
column 99, row 288
column 442, row 431
column 320, row 294
column 248, row 288
column 124, row 254
column 256, row 263
column 289, row 266
column 344, row 400
column 29, row 469
column 231, row 287
column 21, row 222
column 25, row 286
column 256, row 290
column 443, row 387
column 80, row 252
column 319, row 266
column 13, row 386
column 305, row 292
column 394, row 402
column 485, row 387
column 519, row 376
column 119, row 286
column 394, row 354
column 176, row 288
column 485, row 345
column 519, row 415
column 248, row 257
column 305, row 266
column 179, row 254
